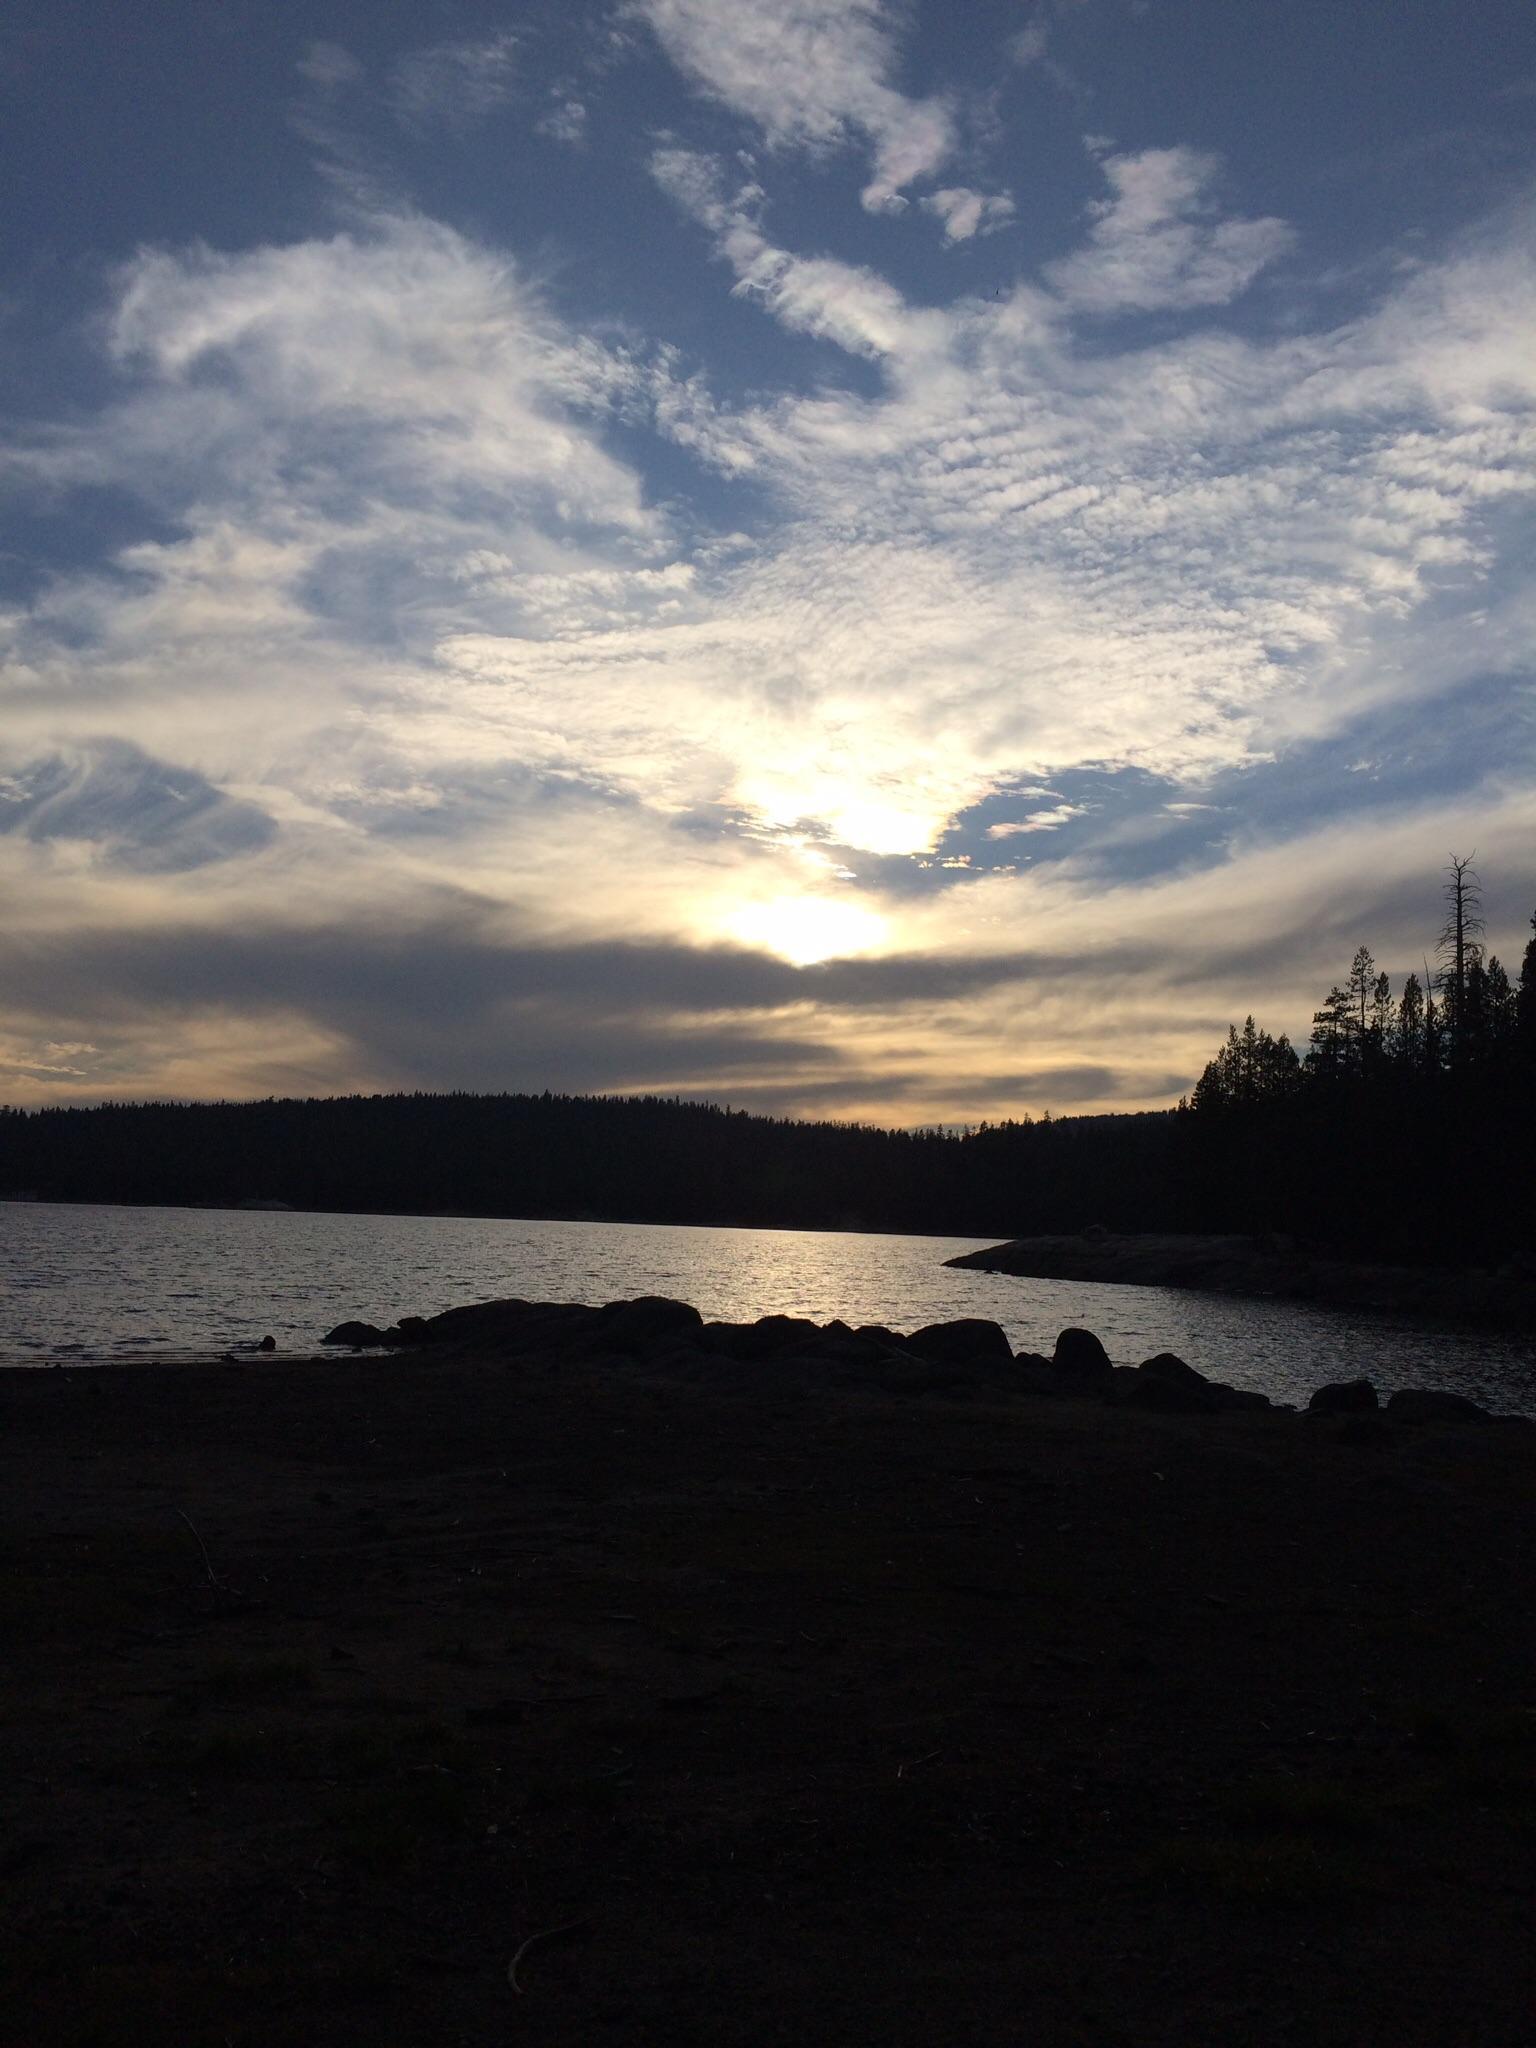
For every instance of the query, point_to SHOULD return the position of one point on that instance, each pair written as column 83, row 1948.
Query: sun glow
column 808, row 929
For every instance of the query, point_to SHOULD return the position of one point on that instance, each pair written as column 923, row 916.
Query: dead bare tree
column 1459, row 946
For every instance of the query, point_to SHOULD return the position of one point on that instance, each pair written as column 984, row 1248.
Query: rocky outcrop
column 969, row 1358
column 1168, row 1386
column 1344, row 1397
column 1270, row 1265
column 1429, row 1404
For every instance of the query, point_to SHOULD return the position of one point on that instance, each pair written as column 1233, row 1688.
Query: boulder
column 413, row 1329
column 770, row 1334
column 267, row 1344
column 649, row 1323
column 891, row 1339
column 1169, row 1367
column 515, row 1328
column 1238, row 1397
column 1081, row 1357
column 1141, row 1389
column 969, row 1339
column 842, row 1346
column 1344, row 1397
column 1428, row 1404
column 358, row 1335
column 724, row 1339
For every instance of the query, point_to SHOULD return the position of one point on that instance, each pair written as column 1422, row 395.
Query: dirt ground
column 747, row 1715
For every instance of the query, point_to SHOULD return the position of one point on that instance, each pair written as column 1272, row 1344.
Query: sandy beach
column 733, row 1703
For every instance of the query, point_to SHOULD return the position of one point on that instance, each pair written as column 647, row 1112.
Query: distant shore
column 1261, row 1266
column 650, row 1664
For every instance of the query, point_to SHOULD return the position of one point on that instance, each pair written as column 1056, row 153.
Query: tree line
column 1406, row 1125
column 609, row 1158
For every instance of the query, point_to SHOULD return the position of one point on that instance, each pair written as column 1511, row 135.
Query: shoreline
column 249, row 1207
column 1267, row 1268
column 940, row 1709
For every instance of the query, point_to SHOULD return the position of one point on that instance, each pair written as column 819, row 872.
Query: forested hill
column 630, row 1158
column 1360, row 1155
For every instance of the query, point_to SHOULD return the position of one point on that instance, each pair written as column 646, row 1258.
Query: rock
column 1428, row 1404
column 1365, row 1430
column 724, row 1339
column 1141, row 1389
column 514, row 1328
column 777, row 1333
column 1344, row 1397
column 842, row 1346
column 356, row 1334
column 267, row 1344
column 413, row 1329
column 877, row 1331
column 1080, row 1356
column 969, row 1339
column 648, row 1323
column 1238, row 1397
column 1168, row 1366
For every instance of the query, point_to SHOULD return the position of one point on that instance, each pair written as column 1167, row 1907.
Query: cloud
column 413, row 360
column 128, row 810
column 328, row 66
column 405, row 624
column 839, row 302
column 455, row 84
column 966, row 213
column 565, row 120
column 1158, row 241
column 1038, row 821
column 1031, row 43
column 814, row 75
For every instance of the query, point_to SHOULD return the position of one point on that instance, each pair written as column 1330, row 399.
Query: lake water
column 98, row 1285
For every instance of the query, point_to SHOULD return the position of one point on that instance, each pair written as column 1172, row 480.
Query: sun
column 806, row 929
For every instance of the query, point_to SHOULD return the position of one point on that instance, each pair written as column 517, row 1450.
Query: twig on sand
column 912, row 1762
column 543, row 1934
column 214, row 1580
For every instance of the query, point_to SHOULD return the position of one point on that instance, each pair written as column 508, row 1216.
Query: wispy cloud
column 820, row 295
column 455, row 84
column 328, row 66
column 1160, row 241
column 814, row 75
column 489, row 749
column 112, row 803
column 1037, row 821
column 564, row 119
column 966, row 213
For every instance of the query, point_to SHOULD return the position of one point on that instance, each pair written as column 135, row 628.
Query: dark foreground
column 744, row 1713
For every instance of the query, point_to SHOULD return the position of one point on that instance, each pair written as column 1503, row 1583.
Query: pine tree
column 1361, row 986
column 1525, row 999
column 1408, row 1039
column 1499, row 1002
column 1333, row 1026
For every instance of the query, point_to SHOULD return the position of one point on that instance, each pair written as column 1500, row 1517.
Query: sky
column 888, row 561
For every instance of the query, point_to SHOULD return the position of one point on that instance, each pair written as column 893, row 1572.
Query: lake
column 97, row 1285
